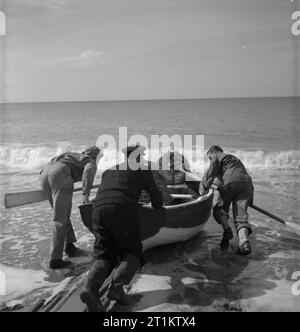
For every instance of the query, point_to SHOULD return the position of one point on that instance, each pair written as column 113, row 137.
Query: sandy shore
column 196, row 275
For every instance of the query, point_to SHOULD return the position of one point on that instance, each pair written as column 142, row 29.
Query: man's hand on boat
column 202, row 190
column 85, row 199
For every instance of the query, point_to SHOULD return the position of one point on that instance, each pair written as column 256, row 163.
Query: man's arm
column 88, row 176
column 149, row 185
column 212, row 172
column 186, row 164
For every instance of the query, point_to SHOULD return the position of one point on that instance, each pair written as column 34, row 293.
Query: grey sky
column 144, row 49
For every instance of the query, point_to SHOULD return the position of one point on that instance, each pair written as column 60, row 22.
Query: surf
column 33, row 157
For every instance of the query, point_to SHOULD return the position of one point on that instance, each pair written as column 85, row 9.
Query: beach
column 191, row 276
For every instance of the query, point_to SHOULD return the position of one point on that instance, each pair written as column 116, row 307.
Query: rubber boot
column 90, row 294
column 222, row 218
column 244, row 244
column 243, row 235
column 57, row 264
column 227, row 236
column 124, row 274
column 72, row 251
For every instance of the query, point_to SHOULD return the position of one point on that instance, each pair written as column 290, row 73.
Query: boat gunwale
column 200, row 199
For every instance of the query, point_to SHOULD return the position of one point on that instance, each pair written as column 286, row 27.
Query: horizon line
column 136, row 100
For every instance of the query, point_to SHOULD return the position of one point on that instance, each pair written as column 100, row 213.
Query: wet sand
column 196, row 276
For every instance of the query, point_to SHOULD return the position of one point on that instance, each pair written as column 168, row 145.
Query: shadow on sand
column 204, row 278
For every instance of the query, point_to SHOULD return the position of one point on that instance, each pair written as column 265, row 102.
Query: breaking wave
column 279, row 160
column 33, row 157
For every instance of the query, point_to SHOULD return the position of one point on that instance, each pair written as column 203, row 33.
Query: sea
column 262, row 132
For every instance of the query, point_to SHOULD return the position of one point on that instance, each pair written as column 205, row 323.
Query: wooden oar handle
column 267, row 214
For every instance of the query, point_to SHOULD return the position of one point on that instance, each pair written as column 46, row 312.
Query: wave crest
column 278, row 160
column 22, row 157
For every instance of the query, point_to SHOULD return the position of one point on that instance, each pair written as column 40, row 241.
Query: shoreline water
column 234, row 283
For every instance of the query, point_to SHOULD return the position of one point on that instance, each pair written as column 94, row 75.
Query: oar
column 257, row 208
column 27, row 197
column 267, row 213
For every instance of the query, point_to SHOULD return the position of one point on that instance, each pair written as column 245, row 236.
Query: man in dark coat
column 117, row 229
column 57, row 180
column 235, row 188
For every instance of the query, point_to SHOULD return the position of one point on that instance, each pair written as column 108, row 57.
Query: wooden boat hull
column 170, row 224
column 174, row 223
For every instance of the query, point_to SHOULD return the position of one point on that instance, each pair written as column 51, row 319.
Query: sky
column 73, row 50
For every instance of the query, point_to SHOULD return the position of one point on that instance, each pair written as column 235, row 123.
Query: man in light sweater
column 57, row 180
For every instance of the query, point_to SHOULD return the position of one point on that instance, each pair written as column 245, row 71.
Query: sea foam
column 34, row 157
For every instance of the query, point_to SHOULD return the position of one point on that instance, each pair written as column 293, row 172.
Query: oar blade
column 22, row 198
column 28, row 197
column 294, row 226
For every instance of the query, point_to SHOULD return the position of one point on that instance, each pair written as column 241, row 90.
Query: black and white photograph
column 149, row 158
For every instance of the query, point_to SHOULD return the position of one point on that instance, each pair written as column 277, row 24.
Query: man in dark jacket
column 57, row 180
column 235, row 187
column 117, row 229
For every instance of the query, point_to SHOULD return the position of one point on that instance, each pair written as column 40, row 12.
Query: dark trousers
column 118, row 243
column 240, row 195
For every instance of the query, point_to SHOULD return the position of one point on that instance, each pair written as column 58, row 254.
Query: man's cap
column 130, row 148
column 214, row 148
column 171, row 150
column 92, row 152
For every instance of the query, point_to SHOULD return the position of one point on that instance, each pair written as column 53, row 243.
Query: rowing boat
column 183, row 219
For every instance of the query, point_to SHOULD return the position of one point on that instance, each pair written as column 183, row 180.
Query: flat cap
column 92, row 151
column 131, row 148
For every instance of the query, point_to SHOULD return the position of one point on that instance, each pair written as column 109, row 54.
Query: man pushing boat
column 57, row 180
column 236, row 188
column 116, row 227
column 173, row 166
